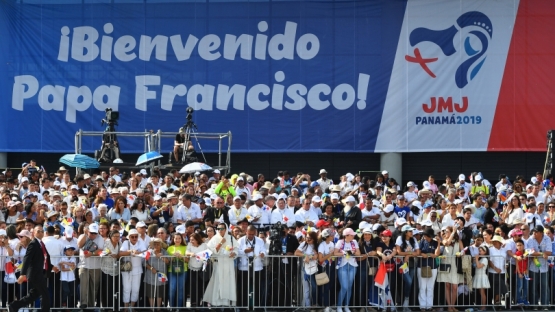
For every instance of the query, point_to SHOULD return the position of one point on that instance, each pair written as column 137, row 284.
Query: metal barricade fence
column 288, row 282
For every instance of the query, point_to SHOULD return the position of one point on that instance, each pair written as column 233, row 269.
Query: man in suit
column 35, row 269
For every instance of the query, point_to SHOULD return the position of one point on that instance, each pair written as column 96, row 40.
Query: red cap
column 387, row 233
column 322, row 223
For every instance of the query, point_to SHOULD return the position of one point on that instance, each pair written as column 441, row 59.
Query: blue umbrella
column 79, row 161
column 148, row 157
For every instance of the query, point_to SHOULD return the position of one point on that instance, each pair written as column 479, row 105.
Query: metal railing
column 287, row 282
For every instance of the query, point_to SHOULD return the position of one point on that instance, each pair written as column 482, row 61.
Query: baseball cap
column 69, row 247
column 410, row 184
column 257, row 197
column 316, row 199
column 314, row 183
column 68, row 232
column 93, row 228
column 24, row 179
column 348, row 231
column 400, row 221
column 326, row 233
column 180, row 229
column 388, row 208
column 334, row 196
column 157, row 197
column 462, row 177
column 538, row 228
column 351, row 199
column 282, row 196
column 143, row 172
column 322, row 171
column 216, row 171
column 387, row 233
column 133, row 232
column 237, row 198
column 321, row 223
column 140, row 224
column 407, row 227
column 240, row 179
column 385, row 172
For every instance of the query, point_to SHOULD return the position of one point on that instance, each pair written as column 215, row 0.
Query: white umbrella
column 194, row 167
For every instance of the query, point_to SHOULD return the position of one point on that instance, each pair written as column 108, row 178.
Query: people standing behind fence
column 345, row 250
column 156, row 273
column 364, row 291
column 386, row 250
column 131, row 250
column 540, row 248
column 408, row 247
column 427, row 268
column 480, row 280
column 199, row 272
column 497, row 269
column 326, row 248
column 221, row 290
column 448, row 268
column 177, row 270
column 67, row 266
column 110, row 269
column 251, row 252
column 308, row 250
column 89, row 266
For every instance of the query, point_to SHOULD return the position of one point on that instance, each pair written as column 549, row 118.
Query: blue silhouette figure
column 444, row 39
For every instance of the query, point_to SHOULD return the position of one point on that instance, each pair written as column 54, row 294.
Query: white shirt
column 91, row 262
column 517, row 213
column 188, row 213
column 263, row 212
column 304, row 216
column 136, row 261
column 498, row 257
column 68, row 276
column 116, row 178
column 341, row 245
column 145, row 241
column 165, row 189
column 259, row 248
column 55, row 249
column 370, row 213
column 324, row 184
column 279, row 215
column 243, row 190
column 236, row 215
column 399, row 242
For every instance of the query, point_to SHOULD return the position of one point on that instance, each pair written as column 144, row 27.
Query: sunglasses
column 221, row 229
column 133, row 236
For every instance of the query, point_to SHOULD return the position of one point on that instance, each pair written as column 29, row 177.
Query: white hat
column 322, row 171
column 3, row 232
column 275, row 196
column 461, row 177
column 157, row 197
column 478, row 178
column 57, row 183
column 240, row 179
column 334, row 196
column 350, row 177
column 416, row 232
column 534, row 180
column 133, row 232
column 400, row 221
column 458, row 201
column 180, row 229
column 351, row 199
column 114, row 191
column 86, row 176
column 93, row 228
column 24, row 179
column 497, row 238
column 427, row 222
column 427, row 184
column 62, row 168
column 385, row 172
column 388, row 208
column 472, row 207
column 257, row 197
column 140, row 224
column 410, row 184
column 237, row 198
column 214, row 196
column 43, row 202
column 143, row 172
column 375, row 227
column 367, row 230
column 170, row 196
column 363, row 224
column 216, row 171
column 51, row 214
column 282, row 196
column 407, row 227
column 316, row 199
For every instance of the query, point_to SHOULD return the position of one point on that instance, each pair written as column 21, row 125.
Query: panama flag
column 203, row 255
column 382, row 281
column 162, row 278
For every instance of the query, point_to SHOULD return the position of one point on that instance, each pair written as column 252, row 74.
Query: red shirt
column 522, row 264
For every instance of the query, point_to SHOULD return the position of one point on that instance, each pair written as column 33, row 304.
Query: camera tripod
column 190, row 129
column 109, row 150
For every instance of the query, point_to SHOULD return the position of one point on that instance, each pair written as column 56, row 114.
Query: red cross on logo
column 417, row 58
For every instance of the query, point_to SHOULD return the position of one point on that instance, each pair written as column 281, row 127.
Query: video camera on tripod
column 109, row 151
column 277, row 232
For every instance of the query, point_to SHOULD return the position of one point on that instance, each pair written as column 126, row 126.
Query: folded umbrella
column 79, row 161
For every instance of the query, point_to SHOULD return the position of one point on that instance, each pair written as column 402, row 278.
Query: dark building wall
column 416, row 166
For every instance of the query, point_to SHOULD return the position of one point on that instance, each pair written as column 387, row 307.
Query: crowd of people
column 160, row 240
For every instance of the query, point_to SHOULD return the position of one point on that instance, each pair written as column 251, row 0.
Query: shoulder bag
column 126, row 265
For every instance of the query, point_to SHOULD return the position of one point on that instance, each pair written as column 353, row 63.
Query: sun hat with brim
column 348, row 231
column 497, row 238
column 51, row 214
column 25, row 233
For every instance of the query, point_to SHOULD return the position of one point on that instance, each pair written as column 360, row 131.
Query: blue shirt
column 109, row 202
column 165, row 214
column 479, row 214
column 402, row 212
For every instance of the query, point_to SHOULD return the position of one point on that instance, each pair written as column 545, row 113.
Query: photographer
column 251, row 253
column 178, row 144
column 284, row 268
